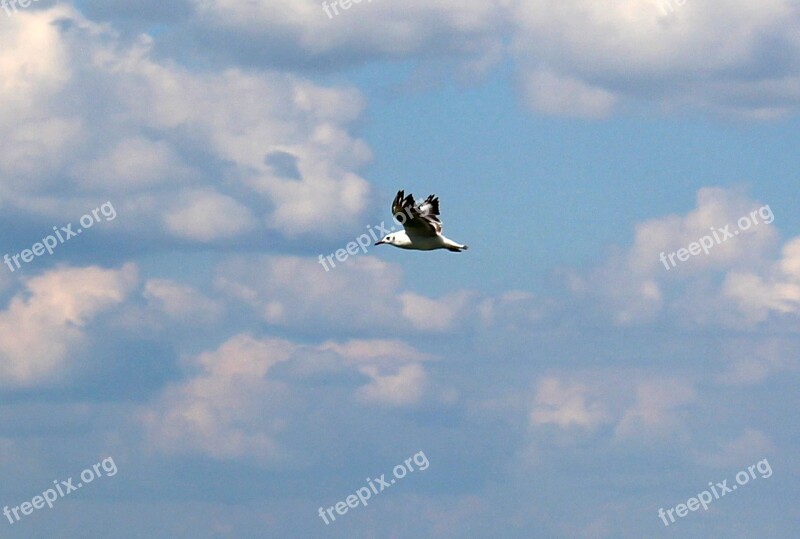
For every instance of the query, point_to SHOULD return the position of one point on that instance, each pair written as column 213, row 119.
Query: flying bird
column 422, row 229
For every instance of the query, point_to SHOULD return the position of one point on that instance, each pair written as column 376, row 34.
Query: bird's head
column 388, row 239
column 398, row 239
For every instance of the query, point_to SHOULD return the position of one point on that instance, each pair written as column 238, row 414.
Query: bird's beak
column 381, row 242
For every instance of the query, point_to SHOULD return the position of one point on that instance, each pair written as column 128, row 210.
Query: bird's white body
column 422, row 229
column 422, row 243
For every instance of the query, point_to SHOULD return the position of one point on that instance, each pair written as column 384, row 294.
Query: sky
column 615, row 356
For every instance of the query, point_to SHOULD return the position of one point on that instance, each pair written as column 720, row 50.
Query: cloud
column 515, row 310
column 134, row 163
column 566, row 405
column 547, row 92
column 395, row 369
column 749, row 447
column 778, row 290
column 427, row 314
column 147, row 11
column 42, row 328
column 364, row 293
column 641, row 283
column 753, row 360
column 230, row 408
column 297, row 292
column 301, row 34
column 657, row 412
column 574, row 58
column 404, row 386
column 181, row 302
column 207, row 216
column 232, row 405
column 637, row 50
column 89, row 114
column 376, row 351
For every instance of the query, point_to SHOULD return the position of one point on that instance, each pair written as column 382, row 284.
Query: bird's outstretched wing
column 422, row 220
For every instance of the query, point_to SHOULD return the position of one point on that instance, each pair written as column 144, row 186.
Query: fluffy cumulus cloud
column 222, row 411
column 641, row 407
column 565, row 406
column 753, row 361
column 364, row 31
column 363, row 293
column 198, row 156
column 750, row 446
column 574, row 58
column 659, row 411
column 619, row 410
column 395, row 369
column 775, row 290
column 41, row 329
column 207, row 216
column 297, row 292
column 676, row 262
column 427, row 314
column 594, row 55
column 231, row 405
column 40, row 134
column 136, row 162
column 181, row 303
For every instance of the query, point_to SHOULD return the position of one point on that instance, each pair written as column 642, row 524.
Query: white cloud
column 403, row 386
column 513, row 310
column 427, row 314
column 369, row 30
column 753, row 360
column 298, row 292
column 363, row 292
column 566, row 405
column 703, row 55
column 134, row 163
column 576, row 57
column 636, row 285
column 33, row 60
column 79, row 103
column 207, row 216
column 397, row 376
column 778, row 291
column 555, row 94
column 231, row 406
column 658, row 410
column 376, row 351
column 180, row 302
column 752, row 445
column 39, row 330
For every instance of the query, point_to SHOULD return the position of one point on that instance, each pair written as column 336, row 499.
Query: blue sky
column 555, row 380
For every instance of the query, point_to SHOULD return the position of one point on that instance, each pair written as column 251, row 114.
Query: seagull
column 421, row 224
